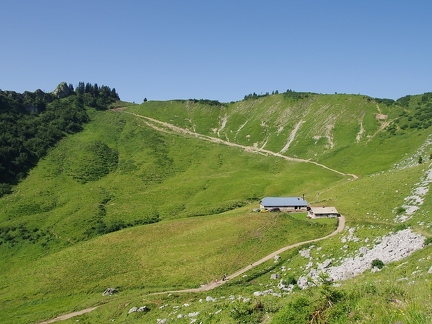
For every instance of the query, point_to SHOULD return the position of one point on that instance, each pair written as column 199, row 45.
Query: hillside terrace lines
column 240, row 128
column 223, row 124
column 382, row 119
column 155, row 124
column 360, row 133
column 291, row 137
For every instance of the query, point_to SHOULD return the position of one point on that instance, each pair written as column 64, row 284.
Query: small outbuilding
column 284, row 203
column 319, row 212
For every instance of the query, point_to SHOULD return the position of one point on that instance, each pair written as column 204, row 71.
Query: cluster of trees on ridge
column 32, row 122
column 418, row 116
column 287, row 94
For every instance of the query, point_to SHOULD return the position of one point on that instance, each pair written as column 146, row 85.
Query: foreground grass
column 399, row 292
column 169, row 255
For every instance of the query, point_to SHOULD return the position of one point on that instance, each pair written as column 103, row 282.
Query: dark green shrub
column 400, row 210
column 5, row 189
column 290, row 281
column 377, row 263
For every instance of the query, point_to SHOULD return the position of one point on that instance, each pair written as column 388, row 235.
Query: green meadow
column 129, row 204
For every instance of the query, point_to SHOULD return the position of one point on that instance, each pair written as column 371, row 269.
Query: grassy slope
column 171, row 176
column 337, row 130
column 175, row 177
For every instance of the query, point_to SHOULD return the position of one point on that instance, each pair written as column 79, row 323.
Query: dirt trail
column 170, row 128
column 70, row 315
column 212, row 285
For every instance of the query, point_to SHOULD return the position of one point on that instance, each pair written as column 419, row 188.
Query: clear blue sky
column 221, row 49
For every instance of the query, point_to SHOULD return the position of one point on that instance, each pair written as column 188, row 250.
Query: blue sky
column 219, row 50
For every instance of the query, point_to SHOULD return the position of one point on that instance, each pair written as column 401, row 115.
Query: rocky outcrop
column 391, row 248
column 142, row 309
column 62, row 90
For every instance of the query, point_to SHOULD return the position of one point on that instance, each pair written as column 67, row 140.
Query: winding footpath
column 213, row 285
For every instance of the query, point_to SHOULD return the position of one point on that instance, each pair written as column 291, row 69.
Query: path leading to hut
column 213, row 285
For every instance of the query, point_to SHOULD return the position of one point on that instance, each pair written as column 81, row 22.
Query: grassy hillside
column 144, row 207
column 340, row 131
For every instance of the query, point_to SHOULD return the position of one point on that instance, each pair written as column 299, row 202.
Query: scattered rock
column 144, row 309
column 275, row 276
column 325, row 264
column 133, row 310
column 302, row 282
column 109, row 291
column 392, row 247
column 265, row 293
column 283, row 287
column 305, row 253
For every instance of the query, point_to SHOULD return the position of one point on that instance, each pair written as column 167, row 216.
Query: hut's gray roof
column 284, row 202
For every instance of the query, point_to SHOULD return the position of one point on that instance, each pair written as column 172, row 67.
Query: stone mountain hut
column 319, row 212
